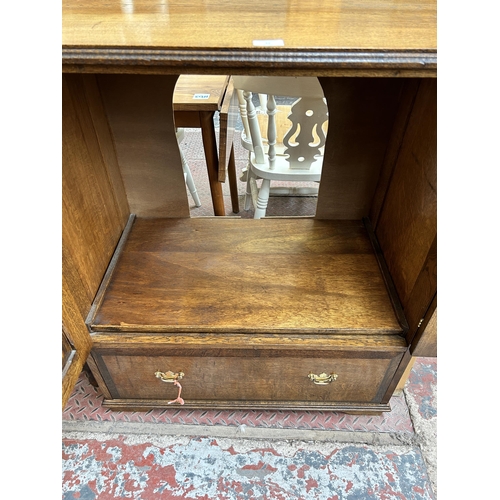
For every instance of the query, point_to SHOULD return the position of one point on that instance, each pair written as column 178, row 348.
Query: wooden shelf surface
column 221, row 275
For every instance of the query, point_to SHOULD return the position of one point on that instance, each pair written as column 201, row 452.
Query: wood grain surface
column 190, row 88
column 93, row 211
column 75, row 331
column 317, row 280
column 227, row 275
column 235, row 370
column 407, row 224
column 252, row 376
column 390, row 34
column 139, row 109
column 406, row 102
column 361, row 116
column 161, row 343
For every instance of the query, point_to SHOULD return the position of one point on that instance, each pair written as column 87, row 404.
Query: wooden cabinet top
column 235, row 37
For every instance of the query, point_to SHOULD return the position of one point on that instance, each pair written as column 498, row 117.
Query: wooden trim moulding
column 70, row 375
column 149, row 404
column 109, row 272
column 389, row 283
column 245, row 61
column 128, row 343
column 94, row 368
column 400, row 371
column 68, row 362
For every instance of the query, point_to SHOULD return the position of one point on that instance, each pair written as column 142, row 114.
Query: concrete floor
column 331, row 456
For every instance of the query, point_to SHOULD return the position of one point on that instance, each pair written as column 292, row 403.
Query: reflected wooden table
column 195, row 101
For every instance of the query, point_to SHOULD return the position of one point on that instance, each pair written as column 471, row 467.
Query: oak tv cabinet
column 314, row 313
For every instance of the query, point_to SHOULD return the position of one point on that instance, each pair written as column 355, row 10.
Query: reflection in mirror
column 287, row 197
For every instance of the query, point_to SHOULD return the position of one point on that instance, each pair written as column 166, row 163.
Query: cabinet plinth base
column 146, row 405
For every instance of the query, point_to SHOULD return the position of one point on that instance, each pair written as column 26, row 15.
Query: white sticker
column 201, row 96
column 268, row 43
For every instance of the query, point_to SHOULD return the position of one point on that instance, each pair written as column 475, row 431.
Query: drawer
column 251, row 372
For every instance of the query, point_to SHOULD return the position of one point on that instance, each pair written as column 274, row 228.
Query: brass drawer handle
column 323, row 378
column 172, row 378
column 169, row 376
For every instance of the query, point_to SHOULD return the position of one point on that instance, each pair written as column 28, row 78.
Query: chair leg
column 189, row 180
column 244, row 174
column 233, row 182
column 262, row 200
column 248, row 192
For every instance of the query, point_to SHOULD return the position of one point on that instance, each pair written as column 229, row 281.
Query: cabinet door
column 406, row 222
column 68, row 353
column 424, row 343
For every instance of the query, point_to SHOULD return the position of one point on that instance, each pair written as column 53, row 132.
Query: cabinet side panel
column 107, row 146
column 407, row 225
column 361, row 116
column 408, row 95
column 417, row 307
column 93, row 216
column 80, row 292
column 91, row 220
column 139, row 109
column 75, row 330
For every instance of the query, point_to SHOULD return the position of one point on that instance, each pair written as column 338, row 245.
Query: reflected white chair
column 187, row 172
column 288, row 144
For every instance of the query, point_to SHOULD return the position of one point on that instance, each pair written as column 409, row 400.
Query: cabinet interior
column 379, row 166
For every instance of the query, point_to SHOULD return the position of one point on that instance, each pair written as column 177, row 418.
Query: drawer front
column 247, row 376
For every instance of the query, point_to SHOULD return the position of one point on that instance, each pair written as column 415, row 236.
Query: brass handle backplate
column 172, row 378
column 169, row 376
column 323, row 378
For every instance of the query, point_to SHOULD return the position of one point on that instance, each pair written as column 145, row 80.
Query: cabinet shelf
column 268, row 276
